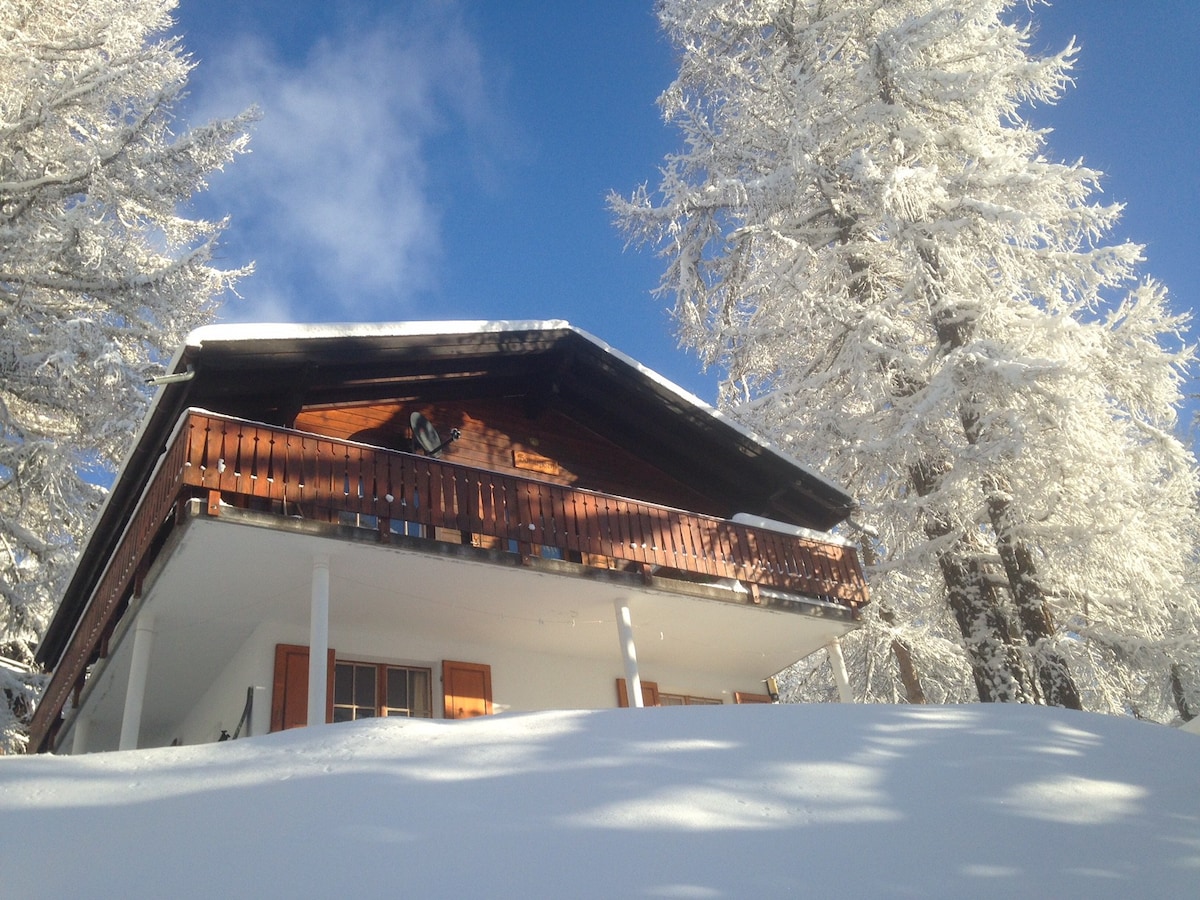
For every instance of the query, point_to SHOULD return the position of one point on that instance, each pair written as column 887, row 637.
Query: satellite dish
column 424, row 433
column 427, row 436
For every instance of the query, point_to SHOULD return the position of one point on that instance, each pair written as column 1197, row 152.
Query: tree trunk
column 909, row 676
column 996, row 666
column 1053, row 674
column 1179, row 695
column 908, row 672
column 913, row 692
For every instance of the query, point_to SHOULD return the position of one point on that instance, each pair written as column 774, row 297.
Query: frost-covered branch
column 865, row 235
column 100, row 274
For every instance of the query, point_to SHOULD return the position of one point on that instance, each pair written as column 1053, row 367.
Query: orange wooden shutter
column 289, row 695
column 467, row 688
column 649, row 693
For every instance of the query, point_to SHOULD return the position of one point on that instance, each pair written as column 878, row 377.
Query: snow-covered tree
column 863, row 234
column 100, row 272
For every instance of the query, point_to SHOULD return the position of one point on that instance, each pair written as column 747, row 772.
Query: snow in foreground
column 749, row 801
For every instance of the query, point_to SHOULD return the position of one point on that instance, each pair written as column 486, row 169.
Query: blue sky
column 431, row 159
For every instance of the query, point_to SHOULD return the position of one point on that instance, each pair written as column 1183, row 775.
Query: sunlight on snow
column 933, row 717
column 788, row 795
column 985, row 870
column 684, row 891
column 1072, row 800
column 676, row 745
column 700, row 802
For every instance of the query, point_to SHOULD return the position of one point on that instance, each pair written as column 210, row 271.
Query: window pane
column 419, row 691
column 397, row 688
column 407, row 692
column 364, row 686
column 343, row 683
column 686, row 700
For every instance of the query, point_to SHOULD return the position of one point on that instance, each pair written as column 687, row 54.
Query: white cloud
column 335, row 201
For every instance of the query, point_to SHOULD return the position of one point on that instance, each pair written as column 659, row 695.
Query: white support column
column 318, row 641
column 81, row 735
column 633, row 681
column 838, row 663
column 139, row 673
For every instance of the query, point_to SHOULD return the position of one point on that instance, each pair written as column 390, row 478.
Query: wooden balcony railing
column 331, row 479
column 295, row 473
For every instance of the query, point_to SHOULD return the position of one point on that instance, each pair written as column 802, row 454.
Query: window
column 686, row 700
column 746, row 697
column 652, row 696
column 366, row 690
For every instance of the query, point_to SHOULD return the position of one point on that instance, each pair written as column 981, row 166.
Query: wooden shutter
column 649, row 693
column 289, row 695
column 467, row 688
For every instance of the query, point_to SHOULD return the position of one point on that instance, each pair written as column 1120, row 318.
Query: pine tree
column 100, row 273
column 862, row 233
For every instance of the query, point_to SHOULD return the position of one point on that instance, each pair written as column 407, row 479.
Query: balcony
column 392, row 497
column 247, row 464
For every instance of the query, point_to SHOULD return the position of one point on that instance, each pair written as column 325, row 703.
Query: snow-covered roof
column 273, row 331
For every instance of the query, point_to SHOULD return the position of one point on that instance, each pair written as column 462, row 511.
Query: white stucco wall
column 221, row 705
column 521, row 680
column 524, row 680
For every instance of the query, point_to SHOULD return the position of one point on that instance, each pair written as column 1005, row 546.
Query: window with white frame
column 366, row 690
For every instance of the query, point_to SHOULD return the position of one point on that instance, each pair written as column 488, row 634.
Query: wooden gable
column 507, row 435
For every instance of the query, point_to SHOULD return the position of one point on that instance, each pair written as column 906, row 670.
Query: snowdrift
column 699, row 802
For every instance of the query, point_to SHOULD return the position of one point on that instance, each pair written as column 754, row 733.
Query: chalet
column 323, row 523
